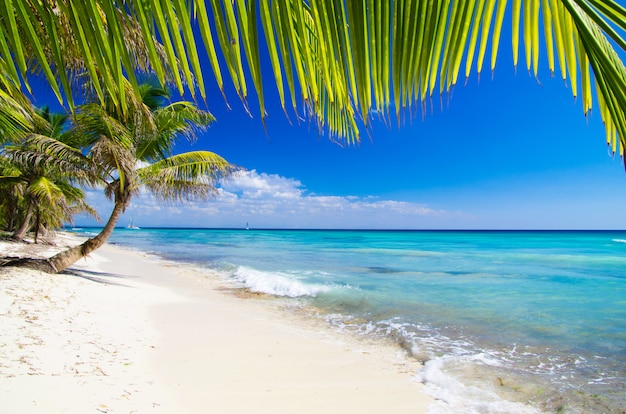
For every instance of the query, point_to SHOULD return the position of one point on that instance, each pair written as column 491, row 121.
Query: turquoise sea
column 504, row 321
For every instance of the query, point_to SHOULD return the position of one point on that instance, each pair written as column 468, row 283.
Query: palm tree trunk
column 65, row 259
column 37, row 224
column 12, row 209
column 20, row 233
column 11, row 221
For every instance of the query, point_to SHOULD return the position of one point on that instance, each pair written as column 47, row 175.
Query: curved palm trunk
column 65, row 259
column 20, row 233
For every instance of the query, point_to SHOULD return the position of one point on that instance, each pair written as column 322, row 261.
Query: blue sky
column 512, row 152
column 507, row 153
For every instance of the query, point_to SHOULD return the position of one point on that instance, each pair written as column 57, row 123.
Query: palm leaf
column 339, row 58
column 10, row 180
column 45, row 190
column 179, row 119
column 16, row 116
column 49, row 153
column 187, row 176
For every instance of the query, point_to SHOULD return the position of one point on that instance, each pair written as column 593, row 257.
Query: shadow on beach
column 98, row 277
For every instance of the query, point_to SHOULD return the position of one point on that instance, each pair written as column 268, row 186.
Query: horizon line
column 346, row 229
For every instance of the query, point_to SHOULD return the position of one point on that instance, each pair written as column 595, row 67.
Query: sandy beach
column 124, row 333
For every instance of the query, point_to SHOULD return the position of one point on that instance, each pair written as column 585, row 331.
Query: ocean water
column 503, row 321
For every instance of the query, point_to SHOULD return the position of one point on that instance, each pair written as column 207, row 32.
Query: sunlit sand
column 124, row 333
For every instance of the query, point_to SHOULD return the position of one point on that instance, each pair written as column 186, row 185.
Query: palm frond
column 81, row 207
column 596, row 51
column 46, row 153
column 11, row 180
column 74, row 201
column 97, row 123
column 7, row 167
column 52, row 124
column 45, row 190
column 66, row 41
column 340, row 60
column 113, row 162
column 176, row 120
column 187, row 176
column 16, row 116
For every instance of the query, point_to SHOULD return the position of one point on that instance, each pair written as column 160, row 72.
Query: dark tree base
column 42, row 265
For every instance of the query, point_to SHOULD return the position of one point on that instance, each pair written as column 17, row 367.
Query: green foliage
column 118, row 142
column 42, row 174
column 338, row 60
column 192, row 175
column 39, row 174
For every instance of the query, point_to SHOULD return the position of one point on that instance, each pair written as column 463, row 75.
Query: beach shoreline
column 122, row 332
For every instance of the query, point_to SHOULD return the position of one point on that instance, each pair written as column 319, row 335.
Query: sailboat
column 132, row 226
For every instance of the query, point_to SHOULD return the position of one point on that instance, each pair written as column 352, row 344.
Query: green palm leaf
column 40, row 151
column 16, row 116
column 179, row 119
column 187, row 176
column 45, row 190
column 340, row 58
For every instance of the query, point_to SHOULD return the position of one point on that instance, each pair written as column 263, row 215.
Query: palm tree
column 38, row 175
column 121, row 145
column 342, row 58
column 47, row 198
column 60, row 207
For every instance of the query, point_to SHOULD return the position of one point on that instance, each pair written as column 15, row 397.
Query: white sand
column 128, row 334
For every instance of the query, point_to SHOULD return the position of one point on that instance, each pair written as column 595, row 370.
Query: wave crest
column 278, row 284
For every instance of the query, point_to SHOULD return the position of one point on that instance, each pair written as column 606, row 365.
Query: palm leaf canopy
column 188, row 176
column 343, row 60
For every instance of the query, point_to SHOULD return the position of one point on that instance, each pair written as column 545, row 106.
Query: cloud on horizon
column 272, row 201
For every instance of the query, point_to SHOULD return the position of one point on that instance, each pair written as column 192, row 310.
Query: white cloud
column 250, row 184
column 273, row 201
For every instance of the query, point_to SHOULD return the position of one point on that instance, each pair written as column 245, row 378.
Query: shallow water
column 504, row 321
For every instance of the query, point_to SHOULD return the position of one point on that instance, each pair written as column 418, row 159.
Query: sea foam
column 274, row 283
column 452, row 396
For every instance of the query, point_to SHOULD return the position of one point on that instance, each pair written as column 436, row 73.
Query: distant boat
column 132, row 226
column 247, row 226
